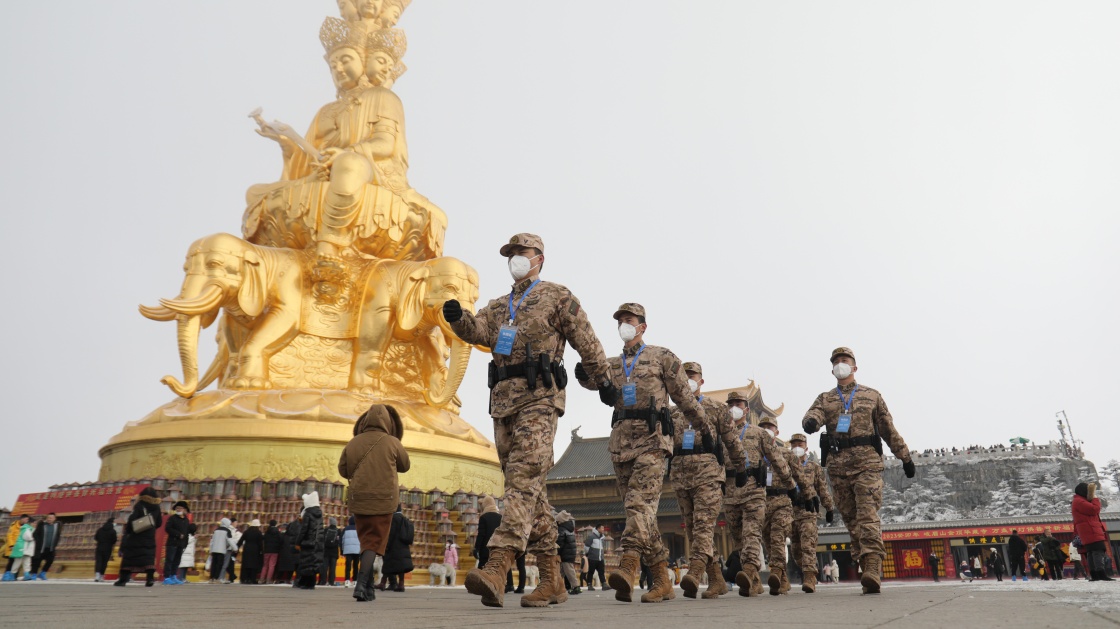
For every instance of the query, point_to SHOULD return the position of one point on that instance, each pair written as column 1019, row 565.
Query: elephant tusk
column 158, row 313
column 209, row 299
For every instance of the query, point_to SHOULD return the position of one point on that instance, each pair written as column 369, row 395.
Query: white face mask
column 179, row 513
column 693, row 385
column 736, row 413
column 799, row 452
column 627, row 332
column 842, row 370
column 519, row 266
column 773, row 433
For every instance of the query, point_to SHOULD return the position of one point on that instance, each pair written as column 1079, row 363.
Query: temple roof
column 584, row 458
column 753, row 393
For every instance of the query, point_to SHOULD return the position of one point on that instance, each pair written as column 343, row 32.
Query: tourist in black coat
column 398, row 555
column 177, row 529
column 252, row 552
column 1016, row 551
column 310, row 542
column 286, row 563
column 138, row 550
column 106, row 538
column 273, row 545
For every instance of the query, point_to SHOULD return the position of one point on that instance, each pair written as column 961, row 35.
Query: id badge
column 769, row 477
column 629, row 394
column 506, row 336
column 845, row 423
column 688, row 441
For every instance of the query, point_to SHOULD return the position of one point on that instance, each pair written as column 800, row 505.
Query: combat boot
column 489, row 582
column 809, row 582
column 750, row 584
column 550, row 589
column 785, row 583
column 716, row 585
column 690, row 583
column 775, row 580
column 662, row 589
column 622, row 580
column 870, row 564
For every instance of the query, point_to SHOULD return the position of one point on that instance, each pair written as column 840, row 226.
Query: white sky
column 932, row 184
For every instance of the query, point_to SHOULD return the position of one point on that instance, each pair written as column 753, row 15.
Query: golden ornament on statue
column 329, row 302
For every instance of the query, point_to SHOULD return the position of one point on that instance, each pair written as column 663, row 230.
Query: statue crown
column 338, row 33
column 391, row 40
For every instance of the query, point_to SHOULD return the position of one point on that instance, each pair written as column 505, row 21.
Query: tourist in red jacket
column 1087, row 523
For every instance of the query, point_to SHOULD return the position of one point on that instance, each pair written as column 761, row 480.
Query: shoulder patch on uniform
column 573, row 308
column 674, row 367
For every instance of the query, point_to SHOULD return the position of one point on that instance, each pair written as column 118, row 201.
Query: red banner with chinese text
column 77, row 501
column 979, row 532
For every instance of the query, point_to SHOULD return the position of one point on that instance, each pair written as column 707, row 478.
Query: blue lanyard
column 628, row 369
column 512, row 310
column 743, row 431
column 848, row 402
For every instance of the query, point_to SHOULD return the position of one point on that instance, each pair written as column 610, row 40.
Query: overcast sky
column 932, row 184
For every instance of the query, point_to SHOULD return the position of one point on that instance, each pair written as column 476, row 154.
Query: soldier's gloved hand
column 810, row 425
column 908, row 467
column 581, row 373
column 452, row 311
column 741, row 478
column 792, row 494
column 708, row 443
column 608, row 393
column 828, row 516
column 815, row 505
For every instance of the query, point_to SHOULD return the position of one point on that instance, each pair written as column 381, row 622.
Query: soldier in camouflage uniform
column 805, row 515
column 745, row 507
column 780, row 494
column 647, row 377
column 698, row 476
column 527, row 331
column 857, row 422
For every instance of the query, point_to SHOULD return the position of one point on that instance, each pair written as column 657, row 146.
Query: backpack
column 331, row 538
column 407, row 531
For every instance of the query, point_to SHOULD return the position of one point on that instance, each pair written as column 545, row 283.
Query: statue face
column 348, row 10
column 379, row 67
column 370, row 9
column 390, row 16
column 346, row 68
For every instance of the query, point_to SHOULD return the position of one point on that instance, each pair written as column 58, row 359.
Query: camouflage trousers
column 804, row 536
column 524, row 443
column 858, row 498
column 639, row 482
column 745, row 522
column 699, row 510
column 776, row 528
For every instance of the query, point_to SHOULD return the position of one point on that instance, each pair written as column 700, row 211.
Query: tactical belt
column 694, row 451
column 509, row 371
column 644, row 414
column 844, row 443
column 774, row 491
column 752, row 472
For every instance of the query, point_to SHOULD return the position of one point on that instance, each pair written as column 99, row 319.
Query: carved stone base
column 291, row 434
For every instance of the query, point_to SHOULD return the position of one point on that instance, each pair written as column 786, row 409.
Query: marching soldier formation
column 716, row 458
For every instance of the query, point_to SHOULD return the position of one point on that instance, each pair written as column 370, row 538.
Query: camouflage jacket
column 691, row 471
column 758, row 446
column 549, row 318
column 814, row 474
column 869, row 413
column 657, row 374
column 797, row 475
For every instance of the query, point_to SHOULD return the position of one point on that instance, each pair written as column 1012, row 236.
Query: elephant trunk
column 188, row 355
column 460, row 356
column 208, row 300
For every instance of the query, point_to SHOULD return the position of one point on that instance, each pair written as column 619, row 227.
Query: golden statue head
column 369, row 9
column 345, row 46
column 391, row 13
column 348, row 10
column 385, row 47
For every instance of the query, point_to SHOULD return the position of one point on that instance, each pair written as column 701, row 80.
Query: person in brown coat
column 371, row 462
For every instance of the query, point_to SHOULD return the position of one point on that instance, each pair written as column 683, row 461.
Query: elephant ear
column 411, row 308
column 250, row 297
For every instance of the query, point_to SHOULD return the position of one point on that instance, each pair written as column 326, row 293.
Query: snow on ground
column 1086, row 595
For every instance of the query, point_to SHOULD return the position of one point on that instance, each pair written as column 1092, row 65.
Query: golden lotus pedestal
column 292, row 434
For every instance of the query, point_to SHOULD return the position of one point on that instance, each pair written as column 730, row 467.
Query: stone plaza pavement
column 63, row 603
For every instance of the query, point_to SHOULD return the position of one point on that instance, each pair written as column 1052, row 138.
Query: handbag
column 140, row 525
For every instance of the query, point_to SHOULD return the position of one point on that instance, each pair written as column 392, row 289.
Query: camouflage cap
column 798, row 437
column 694, row 368
column 522, row 240
column 766, row 419
column 632, row 308
column 842, row 351
column 735, row 396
